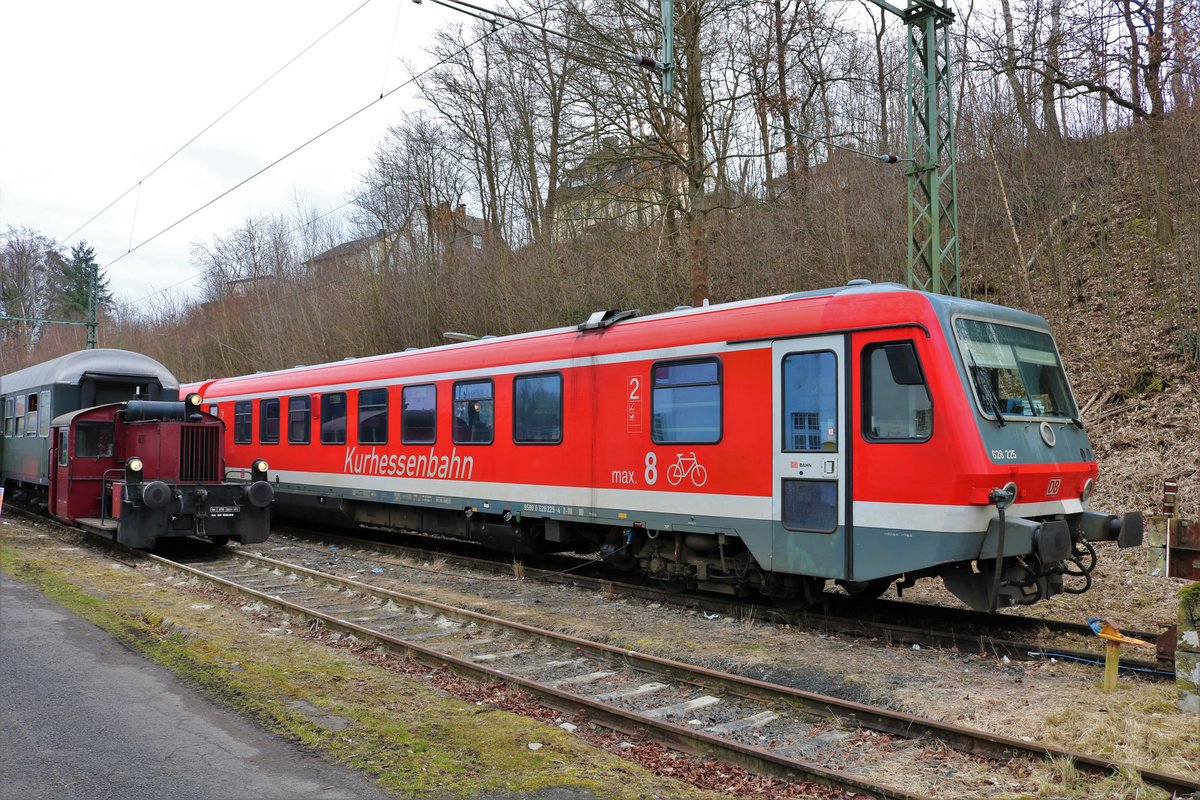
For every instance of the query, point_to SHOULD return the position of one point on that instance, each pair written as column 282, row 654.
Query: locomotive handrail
column 105, row 486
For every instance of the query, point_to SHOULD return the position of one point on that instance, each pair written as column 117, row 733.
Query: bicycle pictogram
column 687, row 466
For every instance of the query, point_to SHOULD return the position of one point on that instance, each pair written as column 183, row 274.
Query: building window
column 268, row 421
column 474, row 412
column 299, row 420
column 686, row 401
column 333, row 418
column 418, row 414
column 896, row 402
column 372, row 416
column 476, row 241
column 537, row 409
column 243, row 418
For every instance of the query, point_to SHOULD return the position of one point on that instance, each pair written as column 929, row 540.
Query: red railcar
column 864, row 434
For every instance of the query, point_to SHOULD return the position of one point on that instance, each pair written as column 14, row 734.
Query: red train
column 863, row 434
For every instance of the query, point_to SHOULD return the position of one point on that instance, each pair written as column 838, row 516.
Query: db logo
column 1053, row 486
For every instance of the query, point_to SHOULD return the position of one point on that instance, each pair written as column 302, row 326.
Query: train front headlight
column 259, row 470
column 133, row 470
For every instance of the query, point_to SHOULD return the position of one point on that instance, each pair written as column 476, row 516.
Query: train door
column 60, row 471
column 811, row 457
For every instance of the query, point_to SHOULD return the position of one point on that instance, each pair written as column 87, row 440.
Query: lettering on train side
column 392, row 465
column 624, row 477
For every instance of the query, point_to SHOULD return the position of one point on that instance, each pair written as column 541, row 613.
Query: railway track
column 767, row 728
column 893, row 622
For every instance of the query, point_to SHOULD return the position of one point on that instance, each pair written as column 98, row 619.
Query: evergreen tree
column 72, row 283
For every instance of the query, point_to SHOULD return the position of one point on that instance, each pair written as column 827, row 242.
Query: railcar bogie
column 862, row 435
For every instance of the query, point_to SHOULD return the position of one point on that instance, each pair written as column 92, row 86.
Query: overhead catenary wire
column 227, row 112
column 441, row 62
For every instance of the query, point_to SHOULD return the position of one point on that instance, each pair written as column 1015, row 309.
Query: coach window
column 333, row 418
column 31, row 415
column 685, row 401
column 243, row 419
column 372, row 416
column 44, row 417
column 474, row 412
column 10, row 411
column 896, row 402
column 299, row 419
column 268, row 421
column 19, row 415
column 537, row 409
column 418, row 414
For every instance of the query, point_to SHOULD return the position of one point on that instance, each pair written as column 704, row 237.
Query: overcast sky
column 98, row 94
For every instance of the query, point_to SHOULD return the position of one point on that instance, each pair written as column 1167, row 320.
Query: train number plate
column 223, row 511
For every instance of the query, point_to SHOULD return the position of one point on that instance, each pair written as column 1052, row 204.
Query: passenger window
column 299, row 419
column 31, row 415
column 418, row 414
column 537, row 409
column 44, row 417
column 10, row 411
column 474, row 413
column 268, row 421
column 243, row 419
column 333, row 418
column 685, row 402
column 94, row 440
column 19, row 415
column 896, row 402
column 372, row 416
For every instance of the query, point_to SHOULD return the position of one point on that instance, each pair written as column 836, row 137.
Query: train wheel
column 219, row 541
column 866, row 590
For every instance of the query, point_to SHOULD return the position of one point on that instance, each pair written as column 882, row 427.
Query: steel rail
column 675, row 736
column 909, row 726
column 892, row 632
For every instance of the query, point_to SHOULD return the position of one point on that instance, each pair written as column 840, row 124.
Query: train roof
column 822, row 307
column 73, row 368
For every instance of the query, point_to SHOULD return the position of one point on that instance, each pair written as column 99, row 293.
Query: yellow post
column 1112, row 662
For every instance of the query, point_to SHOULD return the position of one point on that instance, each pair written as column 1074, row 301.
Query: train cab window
column 474, row 412
column 268, row 421
column 333, row 418
column 537, row 409
column 94, row 439
column 418, row 414
column 685, row 401
column 896, row 402
column 299, row 420
column 1015, row 371
column 63, row 455
column 44, row 417
column 373, row 416
column 243, row 419
column 10, row 412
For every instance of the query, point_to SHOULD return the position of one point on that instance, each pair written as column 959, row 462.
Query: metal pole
column 93, row 290
column 668, row 47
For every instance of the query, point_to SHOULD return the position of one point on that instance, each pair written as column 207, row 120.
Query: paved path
column 82, row 718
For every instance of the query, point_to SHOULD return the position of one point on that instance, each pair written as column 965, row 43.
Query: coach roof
column 72, row 368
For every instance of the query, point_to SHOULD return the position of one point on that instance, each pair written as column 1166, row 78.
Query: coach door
column 811, row 458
